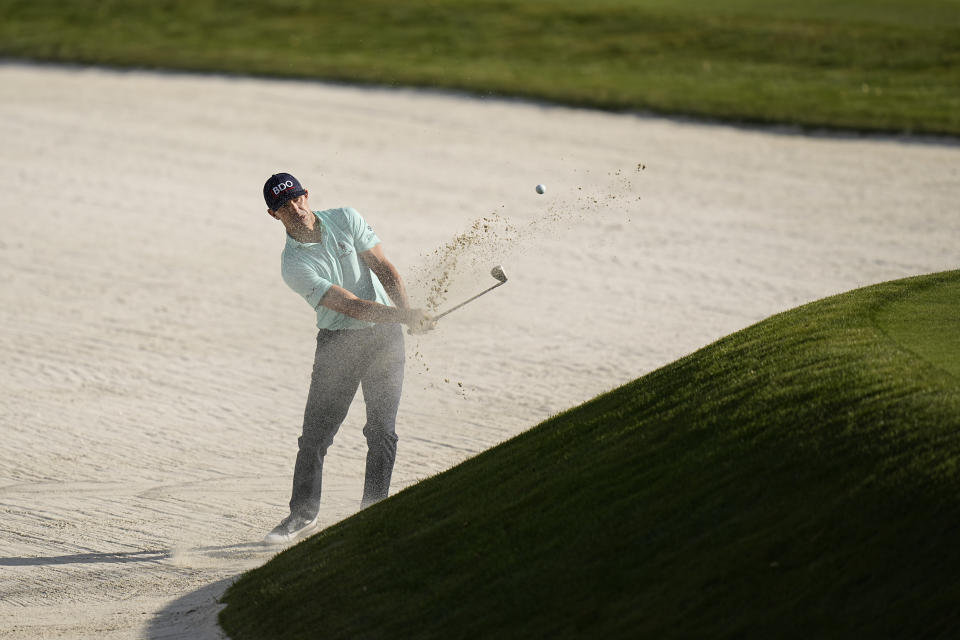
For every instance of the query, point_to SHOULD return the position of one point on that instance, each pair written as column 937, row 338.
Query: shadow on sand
column 88, row 558
column 192, row 615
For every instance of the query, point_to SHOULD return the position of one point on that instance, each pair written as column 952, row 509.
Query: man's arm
column 345, row 302
column 388, row 275
column 342, row 301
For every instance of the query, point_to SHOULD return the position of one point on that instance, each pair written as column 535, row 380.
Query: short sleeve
column 364, row 237
column 307, row 282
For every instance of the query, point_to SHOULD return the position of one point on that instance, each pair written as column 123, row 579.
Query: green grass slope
column 880, row 65
column 796, row 479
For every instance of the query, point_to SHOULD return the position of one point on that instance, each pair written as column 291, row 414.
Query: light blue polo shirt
column 311, row 268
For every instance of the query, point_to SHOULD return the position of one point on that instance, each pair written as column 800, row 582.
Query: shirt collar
column 291, row 241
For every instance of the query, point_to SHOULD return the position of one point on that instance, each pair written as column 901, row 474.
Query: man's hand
column 418, row 322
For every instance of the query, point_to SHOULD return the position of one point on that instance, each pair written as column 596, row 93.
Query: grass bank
column 873, row 65
column 797, row 479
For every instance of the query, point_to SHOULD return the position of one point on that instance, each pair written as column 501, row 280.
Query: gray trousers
column 345, row 360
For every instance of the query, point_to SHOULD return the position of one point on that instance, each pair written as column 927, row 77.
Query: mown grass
column 796, row 479
column 877, row 65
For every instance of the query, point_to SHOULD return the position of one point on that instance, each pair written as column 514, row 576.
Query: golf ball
column 541, row 188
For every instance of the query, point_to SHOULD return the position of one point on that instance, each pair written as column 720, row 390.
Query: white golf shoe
column 291, row 528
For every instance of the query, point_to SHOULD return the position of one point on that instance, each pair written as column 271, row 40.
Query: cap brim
column 287, row 197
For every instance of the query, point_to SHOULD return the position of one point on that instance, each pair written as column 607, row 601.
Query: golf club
column 496, row 272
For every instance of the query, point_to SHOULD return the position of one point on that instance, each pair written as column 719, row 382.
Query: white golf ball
column 541, row 188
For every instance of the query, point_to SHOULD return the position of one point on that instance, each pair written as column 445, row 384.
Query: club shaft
column 466, row 301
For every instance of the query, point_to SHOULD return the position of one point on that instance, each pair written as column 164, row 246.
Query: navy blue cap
column 280, row 188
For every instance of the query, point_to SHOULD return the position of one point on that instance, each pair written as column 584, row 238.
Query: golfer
column 335, row 261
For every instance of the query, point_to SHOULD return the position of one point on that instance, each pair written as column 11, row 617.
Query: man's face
column 295, row 212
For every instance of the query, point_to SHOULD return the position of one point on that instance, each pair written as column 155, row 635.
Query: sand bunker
column 155, row 366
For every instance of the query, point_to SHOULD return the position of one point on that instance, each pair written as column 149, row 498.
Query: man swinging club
column 335, row 261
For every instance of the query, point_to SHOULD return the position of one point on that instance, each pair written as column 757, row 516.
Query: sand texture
column 155, row 366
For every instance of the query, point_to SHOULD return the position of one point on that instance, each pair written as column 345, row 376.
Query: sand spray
column 461, row 267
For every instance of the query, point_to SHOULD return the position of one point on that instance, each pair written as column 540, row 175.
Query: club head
column 497, row 272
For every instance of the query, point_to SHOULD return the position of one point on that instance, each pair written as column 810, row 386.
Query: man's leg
column 333, row 385
column 382, row 382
